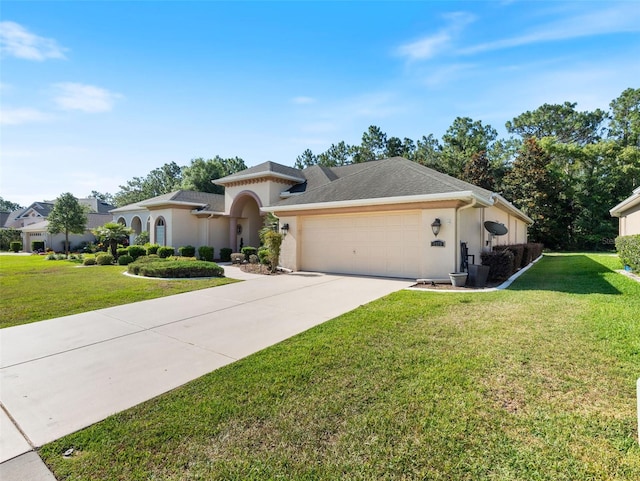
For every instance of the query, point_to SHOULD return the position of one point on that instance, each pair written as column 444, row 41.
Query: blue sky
column 95, row 93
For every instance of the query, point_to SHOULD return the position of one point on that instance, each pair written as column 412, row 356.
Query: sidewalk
column 62, row 375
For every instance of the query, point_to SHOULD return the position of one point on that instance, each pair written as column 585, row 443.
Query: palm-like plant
column 112, row 233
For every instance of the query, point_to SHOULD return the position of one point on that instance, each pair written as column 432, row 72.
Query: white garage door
column 385, row 245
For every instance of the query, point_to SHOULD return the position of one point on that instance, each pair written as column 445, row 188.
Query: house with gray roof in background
column 33, row 223
column 373, row 218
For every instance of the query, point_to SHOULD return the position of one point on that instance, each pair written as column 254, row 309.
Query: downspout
column 457, row 259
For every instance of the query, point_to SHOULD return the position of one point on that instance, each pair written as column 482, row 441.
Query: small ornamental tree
column 112, row 233
column 67, row 216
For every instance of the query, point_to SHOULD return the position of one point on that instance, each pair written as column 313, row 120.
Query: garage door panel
column 372, row 244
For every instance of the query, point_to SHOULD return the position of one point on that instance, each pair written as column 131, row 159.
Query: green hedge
column 152, row 249
column 248, row 251
column 174, row 268
column 205, row 253
column 16, row 246
column 125, row 260
column 37, row 246
column 136, row 251
column 187, row 251
column 104, row 259
column 501, row 264
column 628, row 248
column 225, row 254
column 164, row 252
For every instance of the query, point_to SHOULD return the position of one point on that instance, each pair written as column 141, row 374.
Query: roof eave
column 257, row 175
column 633, row 201
column 467, row 196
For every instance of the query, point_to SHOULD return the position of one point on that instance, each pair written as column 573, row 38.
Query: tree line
column 563, row 167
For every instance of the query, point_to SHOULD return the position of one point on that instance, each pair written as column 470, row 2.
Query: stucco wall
column 630, row 222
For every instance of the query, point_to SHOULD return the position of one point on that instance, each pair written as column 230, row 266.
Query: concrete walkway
column 62, row 375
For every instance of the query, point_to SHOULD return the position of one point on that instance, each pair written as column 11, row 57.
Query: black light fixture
column 435, row 227
column 285, row 228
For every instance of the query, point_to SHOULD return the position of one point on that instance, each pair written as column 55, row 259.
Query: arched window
column 160, row 231
column 122, row 221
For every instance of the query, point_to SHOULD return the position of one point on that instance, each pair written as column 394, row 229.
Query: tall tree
column 67, row 216
column 428, row 152
column 563, row 122
column 478, row 171
column 6, row 205
column 102, row 196
column 533, row 187
column 306, row 159
column 199, row 175
column 159, row 181
column 337, row 154
column 624, row 123
column 373, row 146
column 462, row 139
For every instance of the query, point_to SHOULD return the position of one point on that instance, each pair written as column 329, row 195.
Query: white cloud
column 621, row 18
column 22, row 116
column 302, row 100
column 17, row 41
column 87, row 98
column 431, row 45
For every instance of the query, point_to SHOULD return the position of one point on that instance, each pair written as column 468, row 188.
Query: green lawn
column 533, row 383
column 34, row 289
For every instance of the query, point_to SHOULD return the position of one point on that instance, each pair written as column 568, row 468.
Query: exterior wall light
column 285, row 228
column 435, row 227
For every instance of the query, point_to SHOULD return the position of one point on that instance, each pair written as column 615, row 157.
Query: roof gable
column 265, row 170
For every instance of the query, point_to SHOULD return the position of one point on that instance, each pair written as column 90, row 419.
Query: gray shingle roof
column 203, row 200
column 393, row 177
column 265, row 168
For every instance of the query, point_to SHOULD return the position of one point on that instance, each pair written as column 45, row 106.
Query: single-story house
column 629, row 213
column 375, row 218
column 33, row 223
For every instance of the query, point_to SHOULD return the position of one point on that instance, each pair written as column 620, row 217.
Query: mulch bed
column 258, row 269
column 449, row 287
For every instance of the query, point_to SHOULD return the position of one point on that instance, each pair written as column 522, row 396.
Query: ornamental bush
column 500, row 264
column 16, row 246
column 237, row 258
column 152, row 249
column 104, row 259
column 248, row 251
column 264, row 255
column 136, row 251
column 628, row 248
column 125, row 260
column 175, row 268
column 205, row 253
column 122, row 251
column 89, row 261
column 187, row 251
column 164, row 252
column 37, row 246
column 225, row 254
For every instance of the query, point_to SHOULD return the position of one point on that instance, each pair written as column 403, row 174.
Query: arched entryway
column 246, row 221
column 136, row 226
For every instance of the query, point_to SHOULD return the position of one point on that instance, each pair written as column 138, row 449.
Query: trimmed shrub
column 141, row 239
column 187, row 251
column 248, row 251
column 104, row 259
column 136, row 251
column 628, row 248
column 152, row 249
column 89, row 261
column 164, row 252
column 205, row 253
column 175, row 268
column 122, row 251
column 237, row 258
column 225, row 254
column 51, row 256
column 125, row 260
column 16, row 246
column 37, row 246
column 253, row 259
column 500, row 264
column 264, row 256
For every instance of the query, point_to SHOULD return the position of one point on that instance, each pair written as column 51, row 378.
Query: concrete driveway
column 64, row 374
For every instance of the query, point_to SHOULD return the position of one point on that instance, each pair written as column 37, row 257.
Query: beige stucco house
column 373, row 218
column 629, row 213
column 33, row 223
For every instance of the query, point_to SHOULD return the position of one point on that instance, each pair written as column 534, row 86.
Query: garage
column 376, row 244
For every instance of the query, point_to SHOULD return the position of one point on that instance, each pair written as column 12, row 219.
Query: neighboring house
column 33, row 223
column 629, row 213
column 373, row 218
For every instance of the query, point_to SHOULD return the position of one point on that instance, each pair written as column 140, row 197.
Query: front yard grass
column 34, row 289
column 533, row 383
